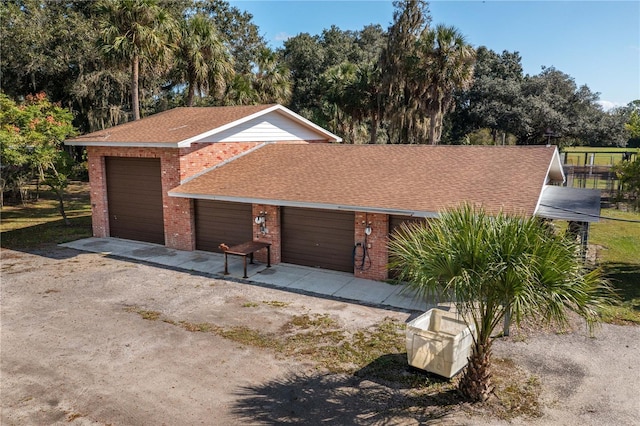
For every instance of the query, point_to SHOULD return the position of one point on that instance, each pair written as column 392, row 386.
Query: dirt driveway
column 87, row 339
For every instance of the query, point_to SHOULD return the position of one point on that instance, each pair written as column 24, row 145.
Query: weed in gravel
column 276, row 303
column 516, row 392
column 145, row 314
column 250, row 305
column 203, row 327
column 251, row 337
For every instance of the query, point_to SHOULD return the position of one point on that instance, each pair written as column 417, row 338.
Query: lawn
column 618, row 247
column 39, row 222
column 580, row 156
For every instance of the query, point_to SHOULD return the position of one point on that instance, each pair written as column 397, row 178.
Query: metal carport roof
column 572, row 204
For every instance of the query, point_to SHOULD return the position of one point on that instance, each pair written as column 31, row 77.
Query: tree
column 137, row 32
column 201, row 59
column 493, row 101
column 491, row 266
column 628, row 172
column 449, row 62
column 407, row 120
column 236, row 29
column 271, row 78
column 31, row 143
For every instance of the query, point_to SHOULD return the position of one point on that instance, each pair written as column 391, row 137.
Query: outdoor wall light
column 367, row 229
column 261, row 218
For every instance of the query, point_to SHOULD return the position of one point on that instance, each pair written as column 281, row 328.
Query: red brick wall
column 375, row 265
column 272, row 234
column 201, row 156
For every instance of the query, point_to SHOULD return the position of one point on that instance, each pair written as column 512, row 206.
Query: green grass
column 619, row 255
column 39, row 222
column 603, row 156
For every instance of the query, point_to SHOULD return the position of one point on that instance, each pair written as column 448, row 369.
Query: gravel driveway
column 79, row 346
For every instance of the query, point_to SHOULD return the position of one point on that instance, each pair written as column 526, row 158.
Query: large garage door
column 134, row 194
column 319, row 238
column 222, row 222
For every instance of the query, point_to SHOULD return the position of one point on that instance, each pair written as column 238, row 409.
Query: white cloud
column 283, row 36
column 608, row 105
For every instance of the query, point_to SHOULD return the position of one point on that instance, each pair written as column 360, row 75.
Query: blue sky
column 595, row 42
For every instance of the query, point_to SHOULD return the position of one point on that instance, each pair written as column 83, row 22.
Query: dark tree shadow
column 364, row 398
column 625, row 278
column 43, row 239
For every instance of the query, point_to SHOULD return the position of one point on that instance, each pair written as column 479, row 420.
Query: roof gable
column 410, row 179
column 179, row 127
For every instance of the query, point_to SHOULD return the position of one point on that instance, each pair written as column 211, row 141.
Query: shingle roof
column 411, row 178
column 172, row 126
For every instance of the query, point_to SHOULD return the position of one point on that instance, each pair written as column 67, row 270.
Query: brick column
column 272, row 234
column 98, row 193
column 375, row 246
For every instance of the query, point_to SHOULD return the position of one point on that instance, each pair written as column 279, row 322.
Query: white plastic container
column 439, row 342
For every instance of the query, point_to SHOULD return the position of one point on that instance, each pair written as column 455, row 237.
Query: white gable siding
column 267, row 128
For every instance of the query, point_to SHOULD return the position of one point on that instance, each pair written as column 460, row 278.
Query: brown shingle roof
column 172, row 126
column 412, row 178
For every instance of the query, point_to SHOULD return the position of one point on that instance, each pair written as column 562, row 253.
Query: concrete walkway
column 320, row 282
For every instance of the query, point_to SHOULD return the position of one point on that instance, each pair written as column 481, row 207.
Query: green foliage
column 537, row 109
column 201, row 59
column 628, row 172
column 495, row 265
column 31, row 143
column 113, row 60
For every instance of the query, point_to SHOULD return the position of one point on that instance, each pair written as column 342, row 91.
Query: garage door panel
column 134, row 193
column 222, row 222
column 318, row 238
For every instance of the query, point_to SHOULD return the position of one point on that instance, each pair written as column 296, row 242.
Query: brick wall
column 272, row 234
column 375, row 264
column 201, row 156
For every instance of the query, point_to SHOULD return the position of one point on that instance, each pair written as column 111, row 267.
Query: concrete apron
column 314, row 281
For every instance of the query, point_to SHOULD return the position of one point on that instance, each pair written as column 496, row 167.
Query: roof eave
column 305, row 204
column 124, row 144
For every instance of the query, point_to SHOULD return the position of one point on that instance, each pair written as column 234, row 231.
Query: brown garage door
column 134, row 194
column 396, row 220
column 222, row 222
column 319, row 238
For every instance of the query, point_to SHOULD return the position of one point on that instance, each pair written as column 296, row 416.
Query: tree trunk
column 373, row 129
column 191, row 92
column 135, row 101
column 60, row 194
column 476, row 381
column 432, row 128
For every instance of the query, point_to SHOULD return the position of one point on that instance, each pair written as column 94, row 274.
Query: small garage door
column 396, row 220
column 318, row 238
column 222, row 222
column 134, row 194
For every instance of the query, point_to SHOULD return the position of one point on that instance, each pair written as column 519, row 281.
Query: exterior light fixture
column 261, row 220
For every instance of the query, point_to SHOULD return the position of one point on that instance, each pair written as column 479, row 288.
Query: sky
column 595, row 42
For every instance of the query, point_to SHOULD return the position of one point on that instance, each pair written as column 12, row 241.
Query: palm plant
column 272, row 79
column 493, row 265
column 448, row 63
column 135, row 31
column 201, row 58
